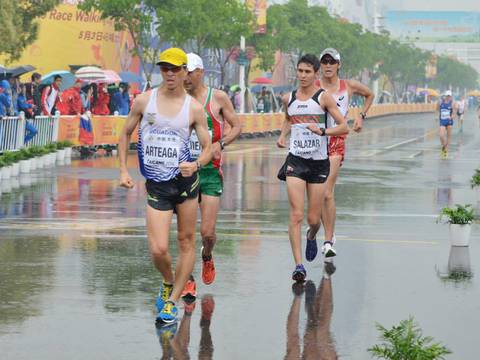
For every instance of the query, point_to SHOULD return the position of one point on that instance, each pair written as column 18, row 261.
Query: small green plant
column 460, row 214
column 475, row 181
column 2, row 162
column 9, row 158
column 67, row 143
column 406, row 342
column 50, row 147
column 26, row 153
column 60, row 145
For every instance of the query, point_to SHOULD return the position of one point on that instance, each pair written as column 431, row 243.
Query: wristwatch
column 222, row 144
column 323, row 131
column 363, row 115
column 199, row 166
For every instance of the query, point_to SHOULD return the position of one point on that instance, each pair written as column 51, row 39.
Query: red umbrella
column 262, row 80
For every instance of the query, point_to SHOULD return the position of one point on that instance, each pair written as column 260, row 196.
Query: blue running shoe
column 311, row 249
column 168, row 314
column 299, row 274
column 163, row 295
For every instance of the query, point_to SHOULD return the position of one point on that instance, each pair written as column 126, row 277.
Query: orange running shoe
column 190, row 289
column 208, row 269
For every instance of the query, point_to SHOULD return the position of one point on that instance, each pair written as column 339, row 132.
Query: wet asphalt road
column 76, row 279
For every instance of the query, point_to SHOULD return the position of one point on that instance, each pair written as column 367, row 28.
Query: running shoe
column 168, row 314
column 208, row 269
column 166, row 332
column 189, row 292
column 208, row 305
column 328, row 250
column 311, row 248
column 163, row 295
column 310, row 291
column 299, row 274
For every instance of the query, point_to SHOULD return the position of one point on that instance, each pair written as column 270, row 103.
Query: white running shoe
column 328, row 250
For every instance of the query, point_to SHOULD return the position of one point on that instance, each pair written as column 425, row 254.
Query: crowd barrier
column 12, row 131
column 106, row 130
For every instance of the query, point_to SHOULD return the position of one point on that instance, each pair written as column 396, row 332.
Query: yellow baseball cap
column 173, row 56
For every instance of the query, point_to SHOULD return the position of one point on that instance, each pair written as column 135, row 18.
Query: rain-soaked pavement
column 76, row 279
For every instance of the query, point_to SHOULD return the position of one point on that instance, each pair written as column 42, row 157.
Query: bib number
column 195, row 147
column 303, row 142
column 162, row 149
column 445, row 114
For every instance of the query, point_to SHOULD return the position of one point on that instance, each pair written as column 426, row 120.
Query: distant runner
column 445, row 110
column 166, row 116
column 307, row 165
column 461, row 107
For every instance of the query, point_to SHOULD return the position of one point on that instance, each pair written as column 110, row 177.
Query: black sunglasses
column 329, row 61
column 174, row 69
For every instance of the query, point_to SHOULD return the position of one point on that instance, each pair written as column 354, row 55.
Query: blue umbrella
column 68, row 79
column 130, row 77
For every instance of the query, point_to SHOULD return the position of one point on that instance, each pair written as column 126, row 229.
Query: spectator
column 103, row 99
column 50, row 96
column 14, row 88
column 23, row 104
column 33, row 93
column 86, row 95
column 71, row 100
column 5, row 101
column 121, row 100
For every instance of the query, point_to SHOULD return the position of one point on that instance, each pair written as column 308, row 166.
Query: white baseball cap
column 194, row 62
column 332, row 52
column 448, row 93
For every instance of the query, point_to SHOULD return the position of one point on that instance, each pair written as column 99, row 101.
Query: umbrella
column 428, row 91
column 5, row 73
column 261, row 80
column 130, row 77
column 20, row 70
column 235, row 87
column 474, row 93
column 68, row 79
column 110, row 77
column 90, row 73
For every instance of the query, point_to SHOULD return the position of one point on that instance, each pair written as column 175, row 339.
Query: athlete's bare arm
column 329, row 104
column 286, row 126
column 358, row 88
column 133, row 119
column 199, row 123
column 229, row 115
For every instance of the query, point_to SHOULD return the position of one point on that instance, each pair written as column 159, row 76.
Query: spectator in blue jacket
column 121, row 100
column 5, row 102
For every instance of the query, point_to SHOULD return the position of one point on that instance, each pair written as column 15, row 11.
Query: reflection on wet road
column 76, row 279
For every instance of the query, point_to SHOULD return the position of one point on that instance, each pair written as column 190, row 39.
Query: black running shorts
column 166, row 195
column 311, row 171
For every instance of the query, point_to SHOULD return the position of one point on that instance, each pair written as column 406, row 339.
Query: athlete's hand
column 125, row 180
column 357, row 125
column 187, row 169
column 314, row 128
column 281, row 142
column 216, row 151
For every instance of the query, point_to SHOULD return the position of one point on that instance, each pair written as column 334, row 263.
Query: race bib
column 162, row 149
column 195, row 147
column 303, row 142
column 445, row 114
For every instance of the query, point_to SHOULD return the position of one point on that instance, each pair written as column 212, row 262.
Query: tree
column 205, row 24
column 136, row 17
column 18, row 24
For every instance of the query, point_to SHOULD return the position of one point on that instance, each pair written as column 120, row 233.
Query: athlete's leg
column 316, row 199
column 296, row 196
column 181, row 339
column 209, row 208
column 443, row 136
column 158, row 229
column 293, row 336
column 186, row 223
column 449, row 137
column 329, row 210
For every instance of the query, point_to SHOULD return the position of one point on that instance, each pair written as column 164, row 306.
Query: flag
column 86, row 131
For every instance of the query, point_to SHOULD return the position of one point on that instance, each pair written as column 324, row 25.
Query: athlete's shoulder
column 220, row 96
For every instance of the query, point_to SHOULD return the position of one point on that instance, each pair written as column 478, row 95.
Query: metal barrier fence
column 12, row 131
column 47, row 127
